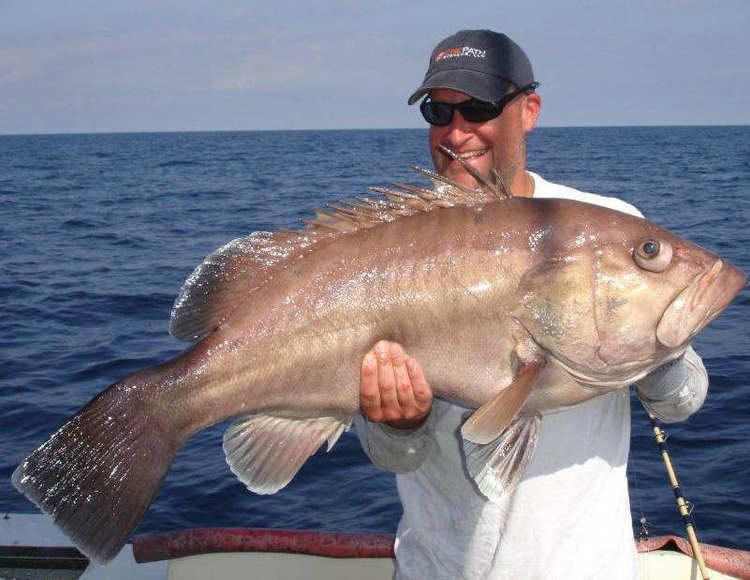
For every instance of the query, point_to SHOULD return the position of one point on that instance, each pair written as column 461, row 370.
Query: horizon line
column 182, row 131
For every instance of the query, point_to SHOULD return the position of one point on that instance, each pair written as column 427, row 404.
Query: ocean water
column 98, row 232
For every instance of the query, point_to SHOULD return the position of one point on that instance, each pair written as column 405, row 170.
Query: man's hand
column 392, row 387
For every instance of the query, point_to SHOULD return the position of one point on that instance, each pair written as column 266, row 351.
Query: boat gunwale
column 195, row 541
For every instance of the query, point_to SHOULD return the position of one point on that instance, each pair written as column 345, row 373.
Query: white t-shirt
column 569, row 517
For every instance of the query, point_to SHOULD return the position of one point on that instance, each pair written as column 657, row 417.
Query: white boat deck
column 37, row 530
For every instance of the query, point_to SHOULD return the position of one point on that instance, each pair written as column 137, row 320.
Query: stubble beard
column 510, row 167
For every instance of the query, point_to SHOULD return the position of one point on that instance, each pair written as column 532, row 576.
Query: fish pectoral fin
column 266, row 452
column 489, row 420
column 497, row 467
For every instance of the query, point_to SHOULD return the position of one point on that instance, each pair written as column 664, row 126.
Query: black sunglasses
column 474, row 111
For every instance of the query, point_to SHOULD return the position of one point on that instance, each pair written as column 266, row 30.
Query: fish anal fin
column 266, row 452
column 498, row 466
column 489, row 420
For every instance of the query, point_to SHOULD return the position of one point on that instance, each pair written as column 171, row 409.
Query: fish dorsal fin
column 492, row 418
column 230, row 274
column 266, row 452
column 238, row 268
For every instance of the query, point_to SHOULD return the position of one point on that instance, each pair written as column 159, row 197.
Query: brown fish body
column 442, row 284
column 446, row 285
column 514, row 307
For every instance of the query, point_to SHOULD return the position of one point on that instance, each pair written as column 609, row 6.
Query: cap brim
column 476, row 84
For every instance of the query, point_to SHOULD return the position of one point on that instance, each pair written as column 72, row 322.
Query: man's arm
column 676, row 390
column 395, row 399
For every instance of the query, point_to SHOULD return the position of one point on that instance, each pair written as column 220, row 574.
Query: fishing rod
column 683, row 505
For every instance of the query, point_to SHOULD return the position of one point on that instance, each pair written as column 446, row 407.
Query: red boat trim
column 170, row 545
column 724, row 560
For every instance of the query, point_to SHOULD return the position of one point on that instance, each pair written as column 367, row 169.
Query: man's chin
column 460, row 176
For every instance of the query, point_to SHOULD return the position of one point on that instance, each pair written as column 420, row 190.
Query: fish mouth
column 699, row 303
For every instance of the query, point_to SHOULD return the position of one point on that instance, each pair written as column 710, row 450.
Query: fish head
column 620, row 296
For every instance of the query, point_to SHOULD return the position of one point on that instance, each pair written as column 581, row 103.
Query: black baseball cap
column 480, row 63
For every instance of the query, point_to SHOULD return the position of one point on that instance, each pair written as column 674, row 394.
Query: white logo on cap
column 460, row 51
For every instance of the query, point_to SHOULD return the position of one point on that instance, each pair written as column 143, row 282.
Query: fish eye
column 653, row 255
column 650, row 248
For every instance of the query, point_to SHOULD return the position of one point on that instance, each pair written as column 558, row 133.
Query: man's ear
column 532, row 106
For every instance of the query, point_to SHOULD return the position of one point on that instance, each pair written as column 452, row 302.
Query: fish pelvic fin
column 497, row 467
column 233, row 272
column 492, row 418
column 97, row 475
column 266, row 452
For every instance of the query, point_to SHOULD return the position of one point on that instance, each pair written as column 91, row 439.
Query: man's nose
column 459, row 129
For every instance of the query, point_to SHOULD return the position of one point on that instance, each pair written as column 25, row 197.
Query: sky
column 146, row 65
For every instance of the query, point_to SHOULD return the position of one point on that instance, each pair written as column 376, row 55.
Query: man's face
column 499, row 143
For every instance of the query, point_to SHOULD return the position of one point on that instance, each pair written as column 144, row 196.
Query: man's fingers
column 393, row 387
column 420, row 386
column 404, row 392
column 369, row 393
column 387, row 382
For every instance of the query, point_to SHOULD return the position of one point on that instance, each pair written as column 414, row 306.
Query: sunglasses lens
column 436, row 113
column 440, row 114
column 479, row 111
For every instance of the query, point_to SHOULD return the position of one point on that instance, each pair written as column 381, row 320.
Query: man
column 569, row 517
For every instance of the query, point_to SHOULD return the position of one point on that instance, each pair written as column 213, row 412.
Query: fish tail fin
column 97, row 475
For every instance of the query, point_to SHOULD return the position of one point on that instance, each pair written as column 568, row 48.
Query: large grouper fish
column 515, row 307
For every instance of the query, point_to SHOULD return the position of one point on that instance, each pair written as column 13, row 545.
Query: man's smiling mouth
column 466, row 154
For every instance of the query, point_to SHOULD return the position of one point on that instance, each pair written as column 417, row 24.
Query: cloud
column 229, row 63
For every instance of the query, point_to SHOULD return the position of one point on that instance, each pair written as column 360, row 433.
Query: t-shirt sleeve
column 397, row 450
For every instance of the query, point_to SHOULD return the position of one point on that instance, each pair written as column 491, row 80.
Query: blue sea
column 98, row 232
